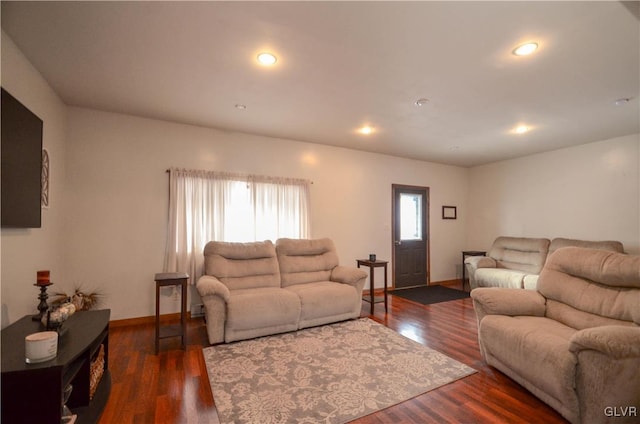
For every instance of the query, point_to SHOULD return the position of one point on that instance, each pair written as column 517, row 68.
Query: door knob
column 398, row 242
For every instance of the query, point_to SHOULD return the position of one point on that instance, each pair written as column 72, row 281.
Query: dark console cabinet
column 33, row 393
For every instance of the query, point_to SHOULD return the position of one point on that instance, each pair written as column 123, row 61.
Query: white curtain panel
column 205, row 206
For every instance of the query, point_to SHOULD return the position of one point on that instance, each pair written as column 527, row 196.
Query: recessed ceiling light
column 521, row 129
column 267, row 59
column 622, row 102
column 241, row 106
column 366, row 130
column 525, row 49
column 422, row 102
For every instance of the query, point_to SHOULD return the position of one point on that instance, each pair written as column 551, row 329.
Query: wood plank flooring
column 173, row 387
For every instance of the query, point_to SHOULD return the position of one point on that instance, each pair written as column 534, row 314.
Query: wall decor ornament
column 449, row 212
column 44, row 180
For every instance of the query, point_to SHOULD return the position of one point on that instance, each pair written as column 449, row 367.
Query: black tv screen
column 21, row 155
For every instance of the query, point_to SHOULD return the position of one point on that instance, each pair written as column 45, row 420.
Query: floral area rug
column 330, row 374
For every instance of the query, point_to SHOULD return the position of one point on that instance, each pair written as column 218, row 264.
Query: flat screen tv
column 21, row 172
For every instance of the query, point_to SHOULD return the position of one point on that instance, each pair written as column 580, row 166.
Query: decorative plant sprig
column 81, row 300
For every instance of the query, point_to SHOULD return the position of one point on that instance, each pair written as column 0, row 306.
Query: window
column 410, row 216
column 205, row 206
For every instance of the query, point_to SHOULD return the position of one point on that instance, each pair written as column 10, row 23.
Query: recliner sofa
column 516, row 262
column 257, row 289
column 575, row 341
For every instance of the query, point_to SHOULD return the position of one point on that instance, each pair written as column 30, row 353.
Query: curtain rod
column 309, row 181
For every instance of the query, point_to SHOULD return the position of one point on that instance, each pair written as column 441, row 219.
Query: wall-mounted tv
column 21, row 155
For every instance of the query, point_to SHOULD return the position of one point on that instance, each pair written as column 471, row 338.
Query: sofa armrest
column 503, row 301
column 208, row 285
column 476, row 262
column 347, row 275
column 607, row 371
column 616, row 341
column 472, row 263
column 215, row 296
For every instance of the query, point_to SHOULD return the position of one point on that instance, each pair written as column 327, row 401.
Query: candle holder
column 43, row 305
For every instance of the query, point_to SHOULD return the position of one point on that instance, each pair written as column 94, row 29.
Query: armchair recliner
column 575, row 341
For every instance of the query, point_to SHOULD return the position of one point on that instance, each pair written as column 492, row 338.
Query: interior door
column 410, row 236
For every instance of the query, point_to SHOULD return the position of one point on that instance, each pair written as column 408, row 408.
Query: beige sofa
column 575, row 341
column 516, row 262
column 256, row 289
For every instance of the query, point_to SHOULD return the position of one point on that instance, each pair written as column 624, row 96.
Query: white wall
column 106, row 226
column 589, row 192
column 25, row 251
column 118, row 193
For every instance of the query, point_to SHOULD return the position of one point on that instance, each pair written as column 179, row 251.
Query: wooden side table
column 172, row 279
column 33, row 393
column 372, row 265
column 466, row 253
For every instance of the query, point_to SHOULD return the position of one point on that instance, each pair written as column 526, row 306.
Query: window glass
column 410, row 216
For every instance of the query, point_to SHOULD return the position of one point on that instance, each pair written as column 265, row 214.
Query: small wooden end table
column 33, row 393
column 372, row 265
column 172, row 279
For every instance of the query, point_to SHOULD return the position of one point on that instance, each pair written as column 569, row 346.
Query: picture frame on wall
column 449, row 212
column 44, row 180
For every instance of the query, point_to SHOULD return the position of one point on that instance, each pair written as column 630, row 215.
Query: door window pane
column 410, row 216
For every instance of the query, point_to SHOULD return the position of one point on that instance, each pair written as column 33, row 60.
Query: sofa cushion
column 242, row 265
column 559, row 242
column 325, row 299
column 580, row 320
column 530, row 281
column 536, row 349
column 499, row 277
column 595, row 285
column 520, row 253
column 305, row 261
column 261, row 308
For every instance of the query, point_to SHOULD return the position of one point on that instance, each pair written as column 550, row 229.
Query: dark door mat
column 430, row 294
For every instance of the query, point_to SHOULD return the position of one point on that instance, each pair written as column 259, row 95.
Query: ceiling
column 342, row 65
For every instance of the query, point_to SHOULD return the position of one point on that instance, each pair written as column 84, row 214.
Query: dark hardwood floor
column 173, row 387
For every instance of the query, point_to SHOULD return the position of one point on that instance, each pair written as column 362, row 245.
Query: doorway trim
column 394, row 189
